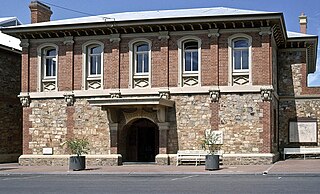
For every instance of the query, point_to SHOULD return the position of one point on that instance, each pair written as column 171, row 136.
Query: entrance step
column 138, row 163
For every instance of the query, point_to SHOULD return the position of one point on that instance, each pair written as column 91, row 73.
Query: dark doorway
column 142, row 141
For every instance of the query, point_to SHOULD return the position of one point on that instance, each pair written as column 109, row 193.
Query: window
column 240, row 55
column 189, row 61
column 94, row 60
column 93, row 65
column 48, row 67
column 141, row 58
column 49, row 62
column 240, row 59
column 140, row 61
column 190, row 56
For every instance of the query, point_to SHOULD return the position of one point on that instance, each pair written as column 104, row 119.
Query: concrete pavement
column 290, row 166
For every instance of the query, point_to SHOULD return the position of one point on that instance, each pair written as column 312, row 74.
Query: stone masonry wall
column 192, row 119
column 49, row 126
column 241, row 123
column 10, row 108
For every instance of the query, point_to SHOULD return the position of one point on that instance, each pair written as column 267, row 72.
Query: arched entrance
column 142, row 141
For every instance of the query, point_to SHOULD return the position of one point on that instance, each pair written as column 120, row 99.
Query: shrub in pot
column 211, row 143
column 77, row 147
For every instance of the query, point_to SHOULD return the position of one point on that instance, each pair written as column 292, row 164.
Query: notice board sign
column 303, row 131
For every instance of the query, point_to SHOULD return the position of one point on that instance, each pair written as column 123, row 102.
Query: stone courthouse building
column 142, row 85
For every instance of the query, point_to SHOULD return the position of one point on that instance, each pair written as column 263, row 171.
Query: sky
column 290, row 8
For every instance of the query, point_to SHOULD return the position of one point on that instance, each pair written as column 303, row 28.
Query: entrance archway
column 142, row 141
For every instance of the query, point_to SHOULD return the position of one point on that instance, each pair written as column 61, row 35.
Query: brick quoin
column 304, row 83
column 266, row 120
column 26, row 130
column 70, row 121
column 25, row 70
column 215, row 119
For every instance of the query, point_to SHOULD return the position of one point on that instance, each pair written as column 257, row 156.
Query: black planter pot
column 212, row 162
column 77, row 163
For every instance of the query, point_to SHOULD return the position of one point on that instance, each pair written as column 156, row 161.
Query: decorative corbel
column 163, row 35
column 213, row 33
column 265, row 31
column 68, row 40
column 113, row 115
column 69, row 98
column 165, row 94
column 161, row 114
column 115, row 94
column 24, row 43
column 25, row 100
column 266, row 94
column 115, row 38
column 214, row 95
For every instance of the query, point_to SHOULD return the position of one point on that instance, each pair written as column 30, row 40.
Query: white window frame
column 132, row 61
column 42, row 63
column 86, row 64
column 233, row 71
column 181, row 59
column 135, row 54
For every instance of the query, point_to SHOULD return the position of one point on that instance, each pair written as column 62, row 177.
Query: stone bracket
column 68, row 40
column 214, row 95
column 164, row 35
column 115, row 94
column 24, row 43
column 113, row 115
column 165, row 94
column 25, row 100
column 265, row 31
column 213, row 33
column 115, row 38
column 266, row 94
column 69, row 98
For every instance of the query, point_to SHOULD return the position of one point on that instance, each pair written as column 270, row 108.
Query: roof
column 149, row 15
column 9, row 19
column 299, row 35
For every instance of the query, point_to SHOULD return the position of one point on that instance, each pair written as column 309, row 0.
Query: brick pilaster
column 27, row 124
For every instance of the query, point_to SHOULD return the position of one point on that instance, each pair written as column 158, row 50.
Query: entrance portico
column 138, row 127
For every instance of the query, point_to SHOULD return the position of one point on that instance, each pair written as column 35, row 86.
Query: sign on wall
column 303, row 131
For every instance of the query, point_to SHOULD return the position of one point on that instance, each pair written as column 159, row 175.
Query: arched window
column 141, row 58
column 140, row 63
column 93, row 65
column 240, row 55
column 48, row 67
column 189, row 61
column 240, row 59
column 94, row 60
column 49, row 62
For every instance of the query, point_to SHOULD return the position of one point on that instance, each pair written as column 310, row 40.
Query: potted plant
column 212, row 144
column 77, row 147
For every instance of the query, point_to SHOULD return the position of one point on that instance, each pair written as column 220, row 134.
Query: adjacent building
column 10, row 107
column 142, row 85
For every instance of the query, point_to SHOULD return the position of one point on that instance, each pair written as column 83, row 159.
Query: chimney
column 39, row 12
column 303, row 23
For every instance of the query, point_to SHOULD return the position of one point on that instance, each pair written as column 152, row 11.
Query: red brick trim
column 305, row 89
column 214, row 120
column 266, row 120
column 27, row 137
column 70, row 121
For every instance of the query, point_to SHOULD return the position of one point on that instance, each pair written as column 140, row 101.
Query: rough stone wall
column 293, row 84
column 192, row 119
column 241, row 123
column 49, row 126
column 10, row 108
column 290, row 109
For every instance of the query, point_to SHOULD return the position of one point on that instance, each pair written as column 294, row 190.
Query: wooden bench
column 196, row 156
column 299, row 151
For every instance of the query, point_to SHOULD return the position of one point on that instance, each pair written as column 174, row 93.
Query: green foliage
column 209, row 142
column 78, row 146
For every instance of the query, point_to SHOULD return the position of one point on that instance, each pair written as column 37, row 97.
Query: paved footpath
column 291, row 166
